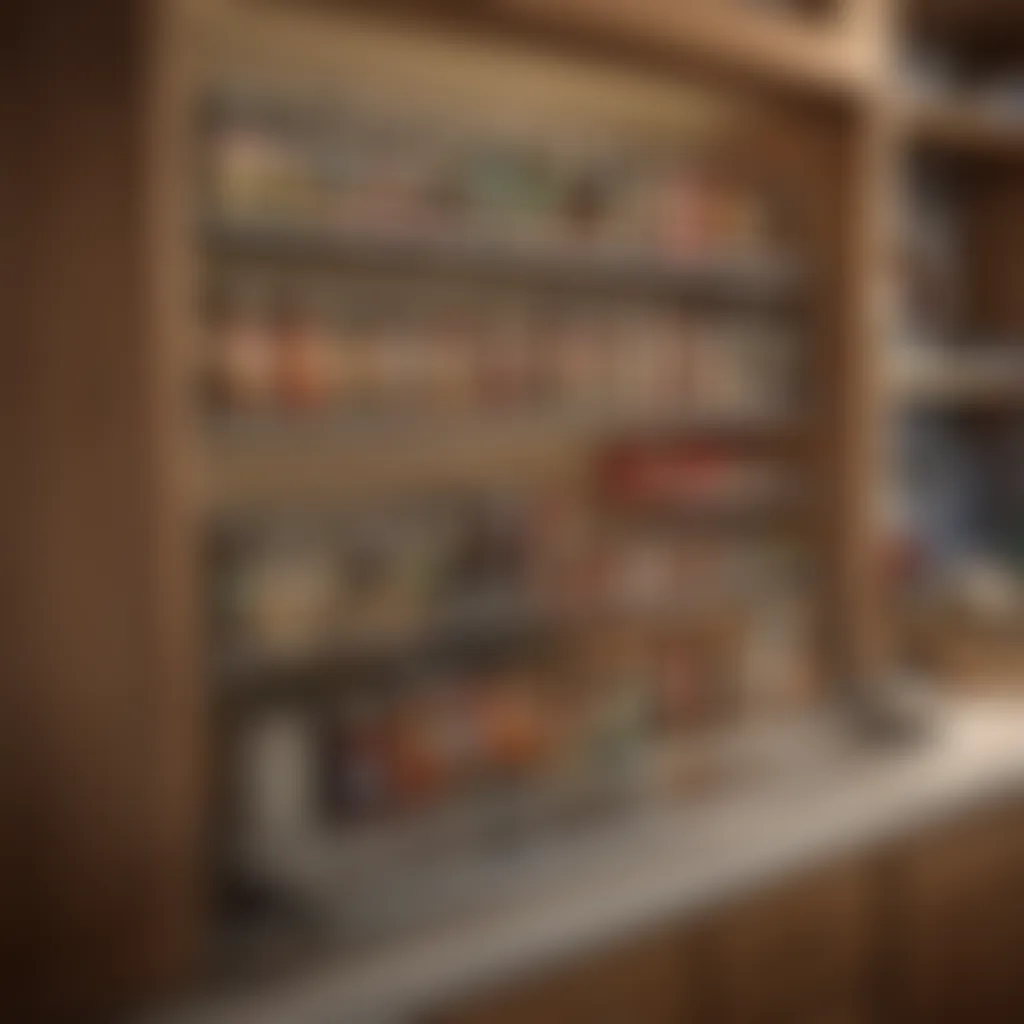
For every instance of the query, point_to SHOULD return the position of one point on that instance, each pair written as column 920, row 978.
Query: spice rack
column 554, row 643
column 190, row 444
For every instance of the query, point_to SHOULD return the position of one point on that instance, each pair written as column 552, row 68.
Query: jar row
column 615, row 719
column 294, row 590
column 296, row 361
column 279, row 161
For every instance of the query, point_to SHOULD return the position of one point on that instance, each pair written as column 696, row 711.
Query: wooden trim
column 99, row 709
column 834, row 57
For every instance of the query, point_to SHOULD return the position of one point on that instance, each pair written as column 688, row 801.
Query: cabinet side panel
column 99, row 752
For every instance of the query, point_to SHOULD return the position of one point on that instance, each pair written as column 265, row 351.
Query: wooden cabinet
column 958, row 896
column 801, row 955
column 102, row 867
column 652, row 980
column 804, row 953
column 928, row 933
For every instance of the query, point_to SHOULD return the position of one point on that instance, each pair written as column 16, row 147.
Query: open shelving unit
column 122, row 717
column 960, row 400
column 667, row 366
column 163, row 470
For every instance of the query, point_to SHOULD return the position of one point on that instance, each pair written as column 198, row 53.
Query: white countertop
column 692, row 860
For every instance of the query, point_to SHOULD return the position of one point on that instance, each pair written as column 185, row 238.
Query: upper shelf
column 814, row 50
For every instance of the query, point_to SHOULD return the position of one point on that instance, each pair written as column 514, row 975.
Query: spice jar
column 244, row 347
column 304, row 362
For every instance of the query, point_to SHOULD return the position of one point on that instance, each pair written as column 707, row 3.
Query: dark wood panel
column 959, row 927
column 995, row 216
column 99, row 752
column 650, row 980
column 803, row 953
column 806, row 953
column 929, row 932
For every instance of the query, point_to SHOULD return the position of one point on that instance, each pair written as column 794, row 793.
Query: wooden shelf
column 249, row 478
column 962, row 129
column 248, row 676
column 344, row 434
column 980, row 376
column 251, row 675
column 243, row 480
column 968, row 654
column 768, row 513
column 744, row 279
column 960, row 393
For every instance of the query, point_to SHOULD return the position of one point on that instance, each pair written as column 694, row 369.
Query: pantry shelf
column 959, row 394
column 249, row 470
column 248, row 674
column 958, row 128
column 250, row 479
column 240, row 435
column 981, row 375
column 514, row 433
column 748, row 279
column 710, row 517
column 611, row 818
